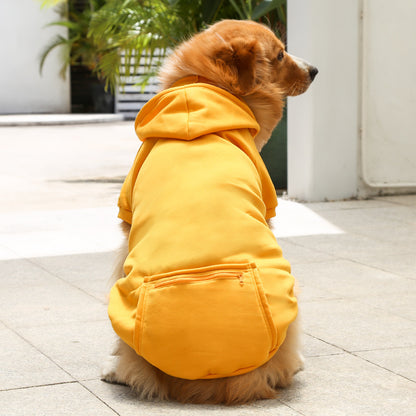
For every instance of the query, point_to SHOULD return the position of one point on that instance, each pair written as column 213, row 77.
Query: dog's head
column 248, row 60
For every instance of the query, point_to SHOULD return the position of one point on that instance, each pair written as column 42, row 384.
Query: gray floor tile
column 355, row 326
column 90, row 272
column 398, row 360
column 297, row 254
column 79, row 267
column 126, row 403
column 357, row 290
column 24, row 366
column 343, row 385
column 51, row 302
column 309, row 293
column 20, row 273
column 409, row 200
column 351, row 280
column 78, row 348
column 353, row 247
column 398, row 223
column 405, row 214
column 402, row 264
column 56, row 400
column 401, row 304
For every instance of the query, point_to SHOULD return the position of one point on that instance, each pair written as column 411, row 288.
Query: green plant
column 111, row 36
column 272, row 12
column 77, row 47
column 149, row 28
column 130, row 30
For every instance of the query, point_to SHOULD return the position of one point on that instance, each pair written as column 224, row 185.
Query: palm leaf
column 210, row 10
column 265, row 7
column 65, row 23
column 57, row 41
column 240, row 10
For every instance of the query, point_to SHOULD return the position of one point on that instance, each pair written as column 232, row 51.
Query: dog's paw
column 109, row 370
column 301, row 363
column 289, row 370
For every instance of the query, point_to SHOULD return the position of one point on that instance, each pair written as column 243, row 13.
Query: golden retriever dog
column 248, row 61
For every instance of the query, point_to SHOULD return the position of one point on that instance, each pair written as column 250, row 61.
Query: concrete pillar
column 323, row 124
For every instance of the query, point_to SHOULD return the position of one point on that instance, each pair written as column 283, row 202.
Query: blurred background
column 351, row 135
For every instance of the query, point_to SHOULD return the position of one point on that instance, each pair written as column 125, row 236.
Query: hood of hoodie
column 193, row 108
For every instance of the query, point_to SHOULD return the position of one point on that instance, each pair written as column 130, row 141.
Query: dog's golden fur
column 246, row 59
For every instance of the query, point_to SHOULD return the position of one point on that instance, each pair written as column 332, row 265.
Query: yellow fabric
column 207, row 293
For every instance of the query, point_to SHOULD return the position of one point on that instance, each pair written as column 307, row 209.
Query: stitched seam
column 187, row 112
column 263, row 311
column 141, row 327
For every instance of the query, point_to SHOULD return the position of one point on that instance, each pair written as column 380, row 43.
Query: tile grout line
column 41, row 352
column 385, row 369
column 337, row 258
column 392, row 204
column 35, row 386
column 59, row 384
column 33, row 262
column 74, row 381
column 292, row 408
column 328, row 343
column 385, row 349
column 46, row 325
column 39, row 266
column 97, row 397
column 380, row 268
column 340, row 297
column 321, row 251
column 354, row 354
column 351, row 298
column 323, row 355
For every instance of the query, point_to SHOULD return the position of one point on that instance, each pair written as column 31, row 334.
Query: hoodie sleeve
column 125, row 202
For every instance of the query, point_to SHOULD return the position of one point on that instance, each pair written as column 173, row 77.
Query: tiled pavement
column 355, row 261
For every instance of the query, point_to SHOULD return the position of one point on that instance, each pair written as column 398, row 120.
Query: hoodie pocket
column 205, row 323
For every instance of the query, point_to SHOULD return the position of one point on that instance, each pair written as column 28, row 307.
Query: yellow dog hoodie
column 207, row 293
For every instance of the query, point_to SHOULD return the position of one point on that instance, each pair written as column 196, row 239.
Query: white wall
column 354, row 132
column 323, row 124
column 23, row 37
column 388, row 146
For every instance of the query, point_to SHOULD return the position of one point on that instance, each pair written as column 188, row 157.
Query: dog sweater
column 207, row 292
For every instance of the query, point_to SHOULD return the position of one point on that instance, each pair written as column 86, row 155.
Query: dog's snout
column 313, row 71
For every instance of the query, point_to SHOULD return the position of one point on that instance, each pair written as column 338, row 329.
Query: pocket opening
column 194, row 279
column 208, row 322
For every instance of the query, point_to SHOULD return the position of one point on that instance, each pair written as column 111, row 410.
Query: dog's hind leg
column 287, row 361
column 126, row 367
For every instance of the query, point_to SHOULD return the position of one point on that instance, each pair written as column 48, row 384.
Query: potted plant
column 82, row 55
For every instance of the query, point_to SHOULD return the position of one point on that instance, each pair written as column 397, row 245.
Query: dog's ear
column 238, row 59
